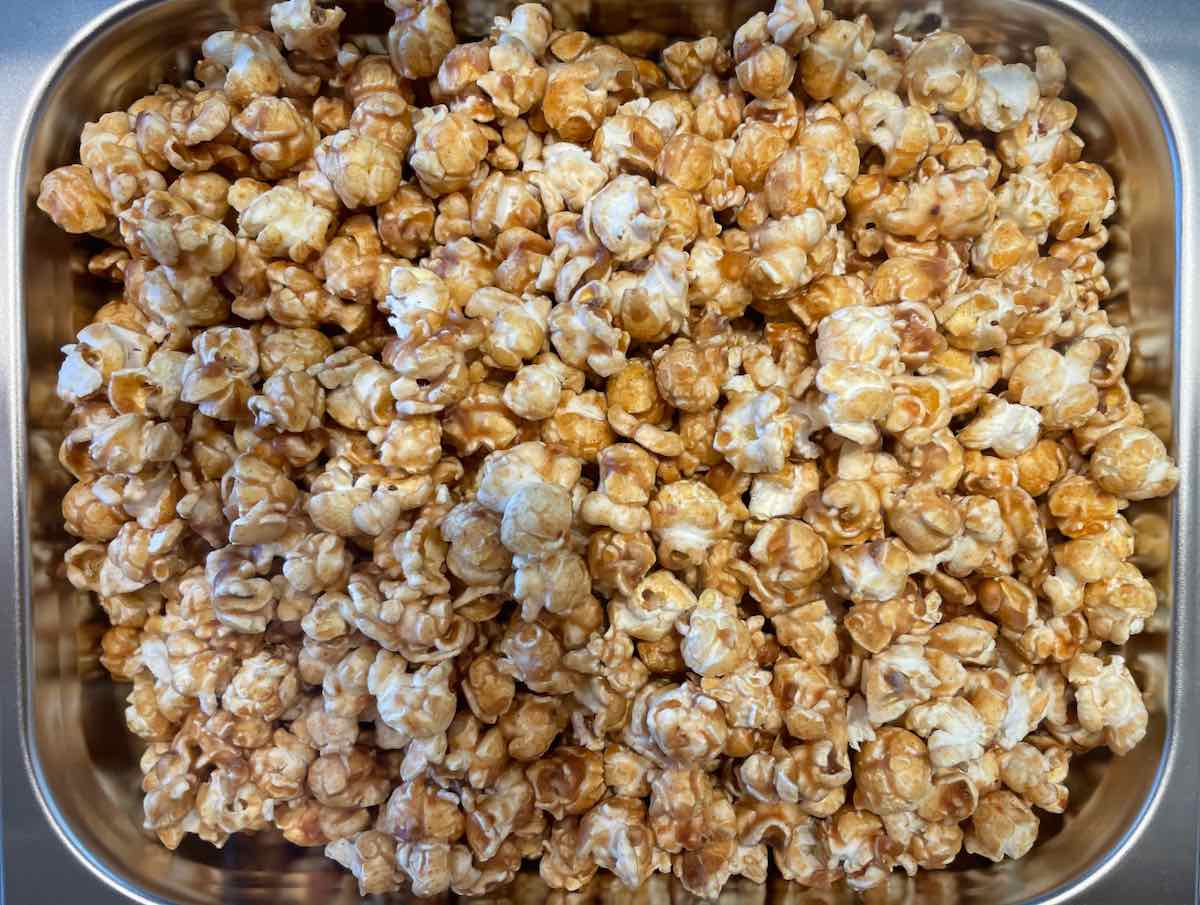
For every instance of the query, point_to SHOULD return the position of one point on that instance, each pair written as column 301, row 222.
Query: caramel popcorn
column 641, row 457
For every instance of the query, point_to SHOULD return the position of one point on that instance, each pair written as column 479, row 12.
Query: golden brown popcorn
column 626, row 217
column 70, row 197
column 370, row 857
column 1003, row 826
column 788, row 253
column 569, row 782
column 925, row 519
column 897, row 293
column 1037, row 775
column 531, row 725
column 875, row 570
column 448, row 149
column 285, row 223
column 1006, row 93
column 904, row 134
column 516, row 327
column 686, row 518
column 1085, row 199
column 217, row 375
column 420, row 38
column 941, row 74
column 896, row 680
column 789, row 557
column 207, row 193
column 616, row 836
column 281, row 138
column 253, row 65
column 654, row 306
column 505, row 472
column 716, row 640
column 1107, row 700
column 574, row 101
column 566, row 178
column 584, row 334
column 358, row 389
column 417, row 704
column 892, row 772
column 1132, row 463
column 618, row 562
column 406, row 222
column 305, row 27
column 119, row 171
column 503, row 202
column 265, row 687
column 99, row 352
column 516, row 82
column 832, row 53
column 764, row 69
column 628, row 141
column 627, row 476
column 953, row 205
column 362, row 170
column 844, row 512
column 676, row 724
column 1059, row 385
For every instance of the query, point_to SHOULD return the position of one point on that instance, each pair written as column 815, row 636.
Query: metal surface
column 70, row 784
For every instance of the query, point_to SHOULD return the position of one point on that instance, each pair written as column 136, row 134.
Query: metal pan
column 72, row 813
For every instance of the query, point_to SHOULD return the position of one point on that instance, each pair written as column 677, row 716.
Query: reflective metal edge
column 1157, row 855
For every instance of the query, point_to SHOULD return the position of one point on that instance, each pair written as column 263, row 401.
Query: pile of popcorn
column 639, row 456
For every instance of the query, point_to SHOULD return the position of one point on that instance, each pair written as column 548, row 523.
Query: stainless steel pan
column 71, row 803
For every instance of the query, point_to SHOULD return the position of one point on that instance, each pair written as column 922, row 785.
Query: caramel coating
column 640, row 457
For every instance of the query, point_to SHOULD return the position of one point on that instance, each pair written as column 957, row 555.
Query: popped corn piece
column 626, row 217
column 568, row 782
column 755, row 432
column 896, row 680
column 615, row 835
column 71, row 198
column 584, row 334
column 1132, row 463
column 1037, row 775
column 764, row 69
column 788, row 253
column 1107, row 700
column 371, row 857
column 892, row 772
column 118, row 169
column 676, row 725
column 941, row 74
column 448, row 150
column 715, row 638
column 1006, row 93
column 686, row 517
column 832, row 53
column 504, row 472
column 1003, row 826
column 580, row 425
column 954, row 731
column 416, row 704
column 1007, row 428
column 1085, row 199
column 285, row 223
column 420, row 37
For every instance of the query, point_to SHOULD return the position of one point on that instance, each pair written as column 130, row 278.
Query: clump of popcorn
column 651, row 459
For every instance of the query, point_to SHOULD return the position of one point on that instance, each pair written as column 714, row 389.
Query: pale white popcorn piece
column 1006, row 428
